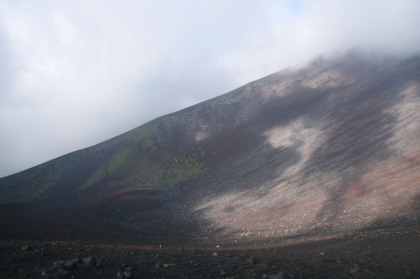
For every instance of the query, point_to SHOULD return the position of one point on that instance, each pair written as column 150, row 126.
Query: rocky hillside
column 333, row 146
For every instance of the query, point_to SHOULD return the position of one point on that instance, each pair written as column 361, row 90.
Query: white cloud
column 75, row 73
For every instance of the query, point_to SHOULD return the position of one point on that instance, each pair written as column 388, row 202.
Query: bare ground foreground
column 392, row 252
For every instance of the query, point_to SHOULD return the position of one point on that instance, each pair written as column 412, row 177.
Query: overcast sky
column 75, row 73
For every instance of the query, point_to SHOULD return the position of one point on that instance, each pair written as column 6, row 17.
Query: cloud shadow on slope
column 359, row 141
column 356, row 126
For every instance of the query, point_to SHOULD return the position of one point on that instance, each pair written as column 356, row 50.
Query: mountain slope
column 333, row 146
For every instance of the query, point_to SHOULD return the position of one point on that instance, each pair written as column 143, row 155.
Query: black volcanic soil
column 380, row 253
column 311, row 173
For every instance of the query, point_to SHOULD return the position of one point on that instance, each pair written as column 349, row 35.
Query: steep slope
column 330, row 147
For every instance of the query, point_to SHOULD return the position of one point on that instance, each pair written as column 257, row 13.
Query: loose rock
column 89, row 261
column 26, row 248
column 71, row 263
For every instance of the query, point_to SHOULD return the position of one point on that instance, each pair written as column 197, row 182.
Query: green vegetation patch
column 94, row 178
column 180, row 168
column 118, row 159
